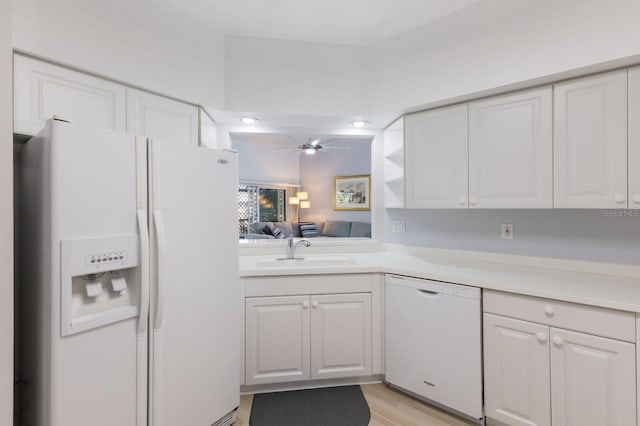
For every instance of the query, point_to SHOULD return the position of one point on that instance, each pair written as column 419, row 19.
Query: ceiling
column 290, row 141
column 352, row 22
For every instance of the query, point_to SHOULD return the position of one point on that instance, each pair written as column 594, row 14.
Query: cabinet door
column 510, row 151
column 436, row 158
column 592, row 380
column 633, row 163
column 590, row 133
column 516, row 371
column 277, row 339
column 42, row 90
column 340, row 335
column 161, row 118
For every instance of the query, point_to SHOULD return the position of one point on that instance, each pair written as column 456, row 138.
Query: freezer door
column 93, row 374
column 195, row 304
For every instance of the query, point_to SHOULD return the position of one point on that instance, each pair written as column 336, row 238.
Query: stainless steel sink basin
column 305, row 261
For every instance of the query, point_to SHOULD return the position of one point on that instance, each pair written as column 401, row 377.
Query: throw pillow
column 336, row 228
column 308, row 230
column 267, row 230
column 276, row 232
column 360, row 229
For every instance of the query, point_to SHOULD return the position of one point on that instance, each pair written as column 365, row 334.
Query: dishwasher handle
column 428, row 292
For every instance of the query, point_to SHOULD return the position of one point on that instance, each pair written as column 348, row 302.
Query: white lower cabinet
column 340, row 335
column 516, row 371
column 592, row 380
column 292, row 338
column 277, row 339
column 540, row 374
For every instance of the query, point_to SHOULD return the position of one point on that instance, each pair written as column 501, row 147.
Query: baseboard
column 310, row 384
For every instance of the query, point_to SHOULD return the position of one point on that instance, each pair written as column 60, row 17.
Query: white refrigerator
column 129, row 281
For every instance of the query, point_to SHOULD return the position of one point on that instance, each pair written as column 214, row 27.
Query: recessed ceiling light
column 359, row 123
column 249, row 120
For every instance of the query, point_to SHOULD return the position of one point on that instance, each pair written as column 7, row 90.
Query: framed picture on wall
column 352, row 192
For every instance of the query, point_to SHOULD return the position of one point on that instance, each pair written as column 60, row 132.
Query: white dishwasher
column 433, row 342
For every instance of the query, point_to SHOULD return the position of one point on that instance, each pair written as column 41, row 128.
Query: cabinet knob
column 314, row 304
column 636, row 198
column 473, row 201
column 619, row 198
column 462, row 201
column 548, row 311
column 542, row 338
column 305, row 305
column 557, row 340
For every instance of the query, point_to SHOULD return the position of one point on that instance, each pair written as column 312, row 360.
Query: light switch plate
column 398, row 226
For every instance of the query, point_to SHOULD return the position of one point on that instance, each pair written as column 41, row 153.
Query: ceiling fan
column 314, row 145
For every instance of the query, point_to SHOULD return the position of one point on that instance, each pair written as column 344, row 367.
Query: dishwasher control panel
column 436, row 287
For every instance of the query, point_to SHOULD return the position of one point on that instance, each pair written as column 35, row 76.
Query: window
column 260, row 203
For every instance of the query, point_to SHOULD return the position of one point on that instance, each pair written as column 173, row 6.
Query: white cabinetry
column 437, row 158
column 42, row 90
column 634, row 138
column 301, row 328
column 590, row 133
column 542, row 373
column 394, row 165
column 516, row 376
column 277, row 339
column 510, row 151
column 161, row 118
column 340, row 335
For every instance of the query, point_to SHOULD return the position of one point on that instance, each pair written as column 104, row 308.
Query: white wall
column 262, row 163
column 141, row 42
column 6, row 218
column 597, row 235
column 316, row 176
column 496, row 43
column 293, row 77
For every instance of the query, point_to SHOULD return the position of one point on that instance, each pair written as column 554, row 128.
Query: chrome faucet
column 291, row 248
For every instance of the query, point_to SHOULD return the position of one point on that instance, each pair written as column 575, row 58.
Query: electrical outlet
column 398, row 226
column 507, row 231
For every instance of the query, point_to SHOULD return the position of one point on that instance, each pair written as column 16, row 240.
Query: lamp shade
column 305, row 204
column 302, row 195
column 294, row 200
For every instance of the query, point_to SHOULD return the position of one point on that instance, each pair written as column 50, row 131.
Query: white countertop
column 604, row 285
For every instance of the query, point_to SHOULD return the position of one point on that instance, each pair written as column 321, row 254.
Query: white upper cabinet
column 634, row 138
column 436, row 158
column 42, row 90
column 590, row 132
column 510, row 150
column 162, row 118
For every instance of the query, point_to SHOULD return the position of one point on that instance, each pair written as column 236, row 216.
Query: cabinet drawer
column 589, row 319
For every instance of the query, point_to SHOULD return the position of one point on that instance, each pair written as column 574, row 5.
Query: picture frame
column 352, row 192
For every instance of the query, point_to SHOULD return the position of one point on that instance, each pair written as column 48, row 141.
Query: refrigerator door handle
column 144, row 271
column 159, row 228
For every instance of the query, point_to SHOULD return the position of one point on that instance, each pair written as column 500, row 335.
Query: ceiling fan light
column 359, row 123
column 310, row 151
column 249, row 120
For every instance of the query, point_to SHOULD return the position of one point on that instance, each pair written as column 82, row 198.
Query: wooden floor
column 388, row 408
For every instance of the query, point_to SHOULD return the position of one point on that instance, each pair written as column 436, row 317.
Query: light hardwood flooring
column 388, row 408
